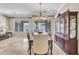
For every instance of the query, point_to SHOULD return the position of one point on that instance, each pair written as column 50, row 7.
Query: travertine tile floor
column 19, row 46
column 57, row 50
column 13, row 46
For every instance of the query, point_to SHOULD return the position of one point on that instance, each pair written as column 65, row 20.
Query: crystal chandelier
column 40, row 17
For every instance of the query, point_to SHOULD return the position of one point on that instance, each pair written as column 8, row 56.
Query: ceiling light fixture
column 40, row 17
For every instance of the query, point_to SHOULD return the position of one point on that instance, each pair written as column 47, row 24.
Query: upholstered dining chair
column 40, row 44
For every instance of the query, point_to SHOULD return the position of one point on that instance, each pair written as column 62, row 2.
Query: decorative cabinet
column 66, row 32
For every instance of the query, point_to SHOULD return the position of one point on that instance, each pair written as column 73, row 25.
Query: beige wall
column 71, row 7
column 3, row 24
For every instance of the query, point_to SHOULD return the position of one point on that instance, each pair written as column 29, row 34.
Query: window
column 44, row 26
column 25, row 26
column 17, row 26
column 40, row 26
column 22, row 26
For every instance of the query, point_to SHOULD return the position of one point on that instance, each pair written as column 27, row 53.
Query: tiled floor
column 13, row 46
column 19, row 45
column 57, row 50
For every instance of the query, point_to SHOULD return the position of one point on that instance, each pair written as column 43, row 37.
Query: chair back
column 40, row 44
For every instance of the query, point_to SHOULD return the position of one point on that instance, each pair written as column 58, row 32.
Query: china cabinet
column 66, row 32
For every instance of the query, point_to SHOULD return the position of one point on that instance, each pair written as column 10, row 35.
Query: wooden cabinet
column 66, row 32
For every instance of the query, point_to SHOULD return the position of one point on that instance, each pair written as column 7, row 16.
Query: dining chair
column 40, row 44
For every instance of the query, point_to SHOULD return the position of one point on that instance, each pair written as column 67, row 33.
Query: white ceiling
column 28, row 9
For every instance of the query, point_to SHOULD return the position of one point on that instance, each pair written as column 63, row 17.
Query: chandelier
column 40, row 17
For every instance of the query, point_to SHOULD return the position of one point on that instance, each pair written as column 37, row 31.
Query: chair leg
column 35, row 54
column 40, row 54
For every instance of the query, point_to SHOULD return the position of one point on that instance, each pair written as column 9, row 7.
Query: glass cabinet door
column 72, row 26
column 57, row 26
column 62, row 26
column 66, row 26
